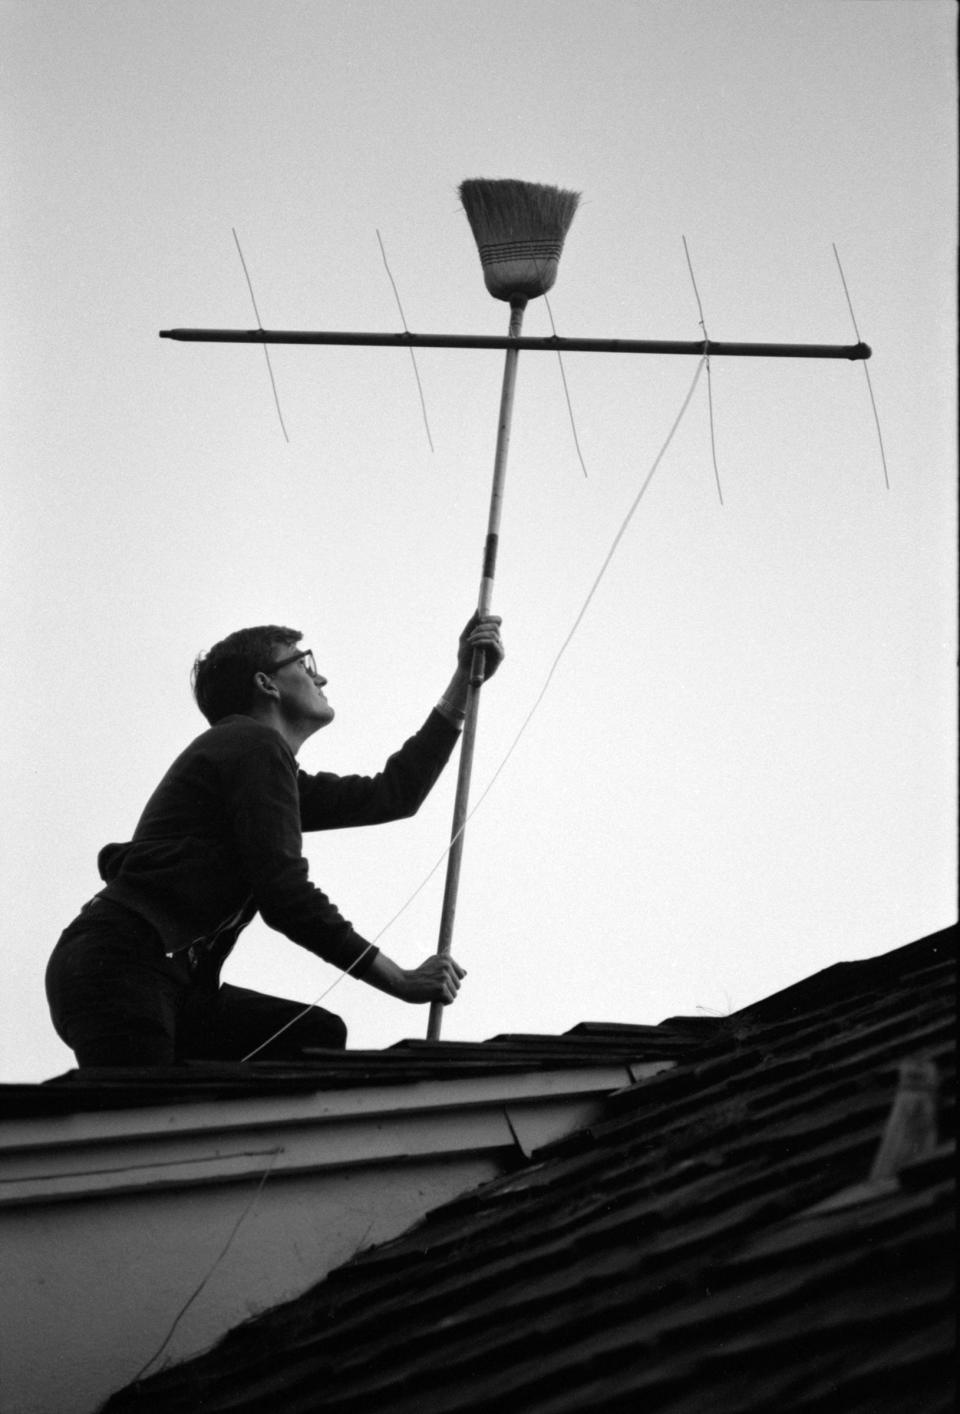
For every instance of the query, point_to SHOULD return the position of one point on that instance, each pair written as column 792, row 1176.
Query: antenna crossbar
column 714, row 348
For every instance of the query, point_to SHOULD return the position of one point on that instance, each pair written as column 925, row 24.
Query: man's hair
column 222, row 679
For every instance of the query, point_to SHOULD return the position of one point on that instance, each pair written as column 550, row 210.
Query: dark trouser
column 117, row 999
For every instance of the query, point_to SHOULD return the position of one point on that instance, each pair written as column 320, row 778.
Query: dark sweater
column 220, row 838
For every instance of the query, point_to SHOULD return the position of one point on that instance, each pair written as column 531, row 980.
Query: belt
column 132, row 923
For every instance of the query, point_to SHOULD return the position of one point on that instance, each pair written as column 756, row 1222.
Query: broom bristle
column 509, row 211
column 519, row 228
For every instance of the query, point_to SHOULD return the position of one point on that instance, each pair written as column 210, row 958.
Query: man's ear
column 262, row 682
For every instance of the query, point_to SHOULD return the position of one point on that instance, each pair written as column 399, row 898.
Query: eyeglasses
column 306, row 658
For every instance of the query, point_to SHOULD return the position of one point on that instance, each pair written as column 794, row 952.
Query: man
column 135, row 979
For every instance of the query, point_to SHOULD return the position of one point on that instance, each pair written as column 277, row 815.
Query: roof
column 591, row 1044
column 245, row 1193
column 766, row 1225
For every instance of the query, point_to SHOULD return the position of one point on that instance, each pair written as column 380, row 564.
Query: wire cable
column 223, row 1252
column 866, row 371
column 706, row 345
column 523, row 726
column 413, row 357
column 566, row 390
column 266, row 351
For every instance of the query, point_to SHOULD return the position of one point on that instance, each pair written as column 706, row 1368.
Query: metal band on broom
column 519, row 228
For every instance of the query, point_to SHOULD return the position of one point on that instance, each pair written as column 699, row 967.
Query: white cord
column 866, row 371
column 275, row 1154
column 706, row 345
column 523, row 727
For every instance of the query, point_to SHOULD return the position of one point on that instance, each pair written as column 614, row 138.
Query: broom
column 519, row 228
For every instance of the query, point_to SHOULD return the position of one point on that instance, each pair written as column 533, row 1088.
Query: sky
column 743, row 769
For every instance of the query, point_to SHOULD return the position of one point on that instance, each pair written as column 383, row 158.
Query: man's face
column 301, row 687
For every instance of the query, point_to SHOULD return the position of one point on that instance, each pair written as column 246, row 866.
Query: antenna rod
column 553, row 344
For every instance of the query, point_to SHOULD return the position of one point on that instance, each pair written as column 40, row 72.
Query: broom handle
column 461, row 801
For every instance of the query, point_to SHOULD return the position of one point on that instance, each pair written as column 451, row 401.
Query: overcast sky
column 743, row 770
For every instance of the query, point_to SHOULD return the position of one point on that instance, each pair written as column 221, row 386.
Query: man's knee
column 332, row 1029
column 241, row 1023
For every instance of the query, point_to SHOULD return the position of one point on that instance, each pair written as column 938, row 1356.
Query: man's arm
column 332, row 802
column 329, row 802
column 482, row 633
column 271, row 844
column 261, row 804
column 436, row 980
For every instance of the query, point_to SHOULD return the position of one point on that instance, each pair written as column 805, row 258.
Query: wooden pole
column 461, row 801
column 554, row 344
